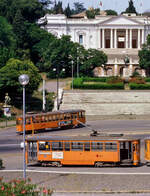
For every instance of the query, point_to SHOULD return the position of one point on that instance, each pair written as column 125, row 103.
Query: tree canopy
column 9, row 77
column 111, row 12
column 131, row 8
column 91, row 13
column 144, row 56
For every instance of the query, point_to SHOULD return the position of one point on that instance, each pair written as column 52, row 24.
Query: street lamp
column 72, row 73
column 24, row 80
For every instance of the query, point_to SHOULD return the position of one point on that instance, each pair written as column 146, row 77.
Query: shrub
column 100, row 79
column 147, row 79
column 21, row 187
column 114, row 80
column 77, row 82
column 135, row 74
column 137, row 80
column 134, row 86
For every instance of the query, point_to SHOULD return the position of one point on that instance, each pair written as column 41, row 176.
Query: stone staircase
column 108, row 102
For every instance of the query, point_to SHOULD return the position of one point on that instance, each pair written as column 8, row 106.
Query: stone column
column 130, row 38
column 102, row 71
column 126, row 38
column 139, row 38
column 130, row 70
column 111, row 38
column 115, row 70
column 115, row 38
column 143, row 36
column 103, row 38
column 100, row 40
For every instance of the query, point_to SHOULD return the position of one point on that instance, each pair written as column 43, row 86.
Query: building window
column 81, row 39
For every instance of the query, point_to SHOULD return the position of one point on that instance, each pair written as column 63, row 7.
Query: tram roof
column 54, row 112
column 80, row 138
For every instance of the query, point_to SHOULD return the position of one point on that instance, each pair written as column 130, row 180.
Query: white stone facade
column 117, row 36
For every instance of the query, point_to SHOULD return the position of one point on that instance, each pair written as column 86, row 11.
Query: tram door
column 125, row 150
column 32, row 151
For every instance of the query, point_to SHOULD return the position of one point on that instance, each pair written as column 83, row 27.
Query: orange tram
column 56, row 119
column 147, row 151
column 84, row 150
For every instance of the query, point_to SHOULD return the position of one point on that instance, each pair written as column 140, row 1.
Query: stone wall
column 108, row 102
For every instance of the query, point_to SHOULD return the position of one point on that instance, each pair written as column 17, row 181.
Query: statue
column 7, row 99
column 7, row 106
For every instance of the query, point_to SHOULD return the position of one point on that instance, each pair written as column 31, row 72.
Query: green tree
column 93, row 58
column 19, row 29
column 91, row 13
column 131, row 8
column 58, row 9
column 30, row 10
column 59, row 57
column 9, row 78
column 144, row 56
column 7, row 41
column 111, row 12
column 67, row 11
column 78, row 8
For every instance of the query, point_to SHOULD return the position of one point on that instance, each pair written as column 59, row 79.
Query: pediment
column 121, row 20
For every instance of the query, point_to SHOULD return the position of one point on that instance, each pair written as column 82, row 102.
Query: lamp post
column 57, row 76
column 44, row 99
column 72, row 73
column 24, row 80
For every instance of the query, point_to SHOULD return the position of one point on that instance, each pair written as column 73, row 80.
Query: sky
column 117, row 5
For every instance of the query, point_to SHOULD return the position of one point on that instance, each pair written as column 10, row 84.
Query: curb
column 105, row 192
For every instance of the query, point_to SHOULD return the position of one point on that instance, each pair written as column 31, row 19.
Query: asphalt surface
column 80, row 180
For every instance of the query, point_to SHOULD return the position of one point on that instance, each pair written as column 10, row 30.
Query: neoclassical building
column 117, row 36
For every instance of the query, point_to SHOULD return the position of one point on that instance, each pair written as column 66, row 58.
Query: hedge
column 147, row 79
column 79, row 83
column 100, row 79
column 134, row 86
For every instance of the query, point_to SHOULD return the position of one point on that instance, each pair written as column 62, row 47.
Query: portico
column 121, row 38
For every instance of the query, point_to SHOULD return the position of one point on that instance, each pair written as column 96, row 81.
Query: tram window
column 79, row 114
column 77, row 146
column 68, row 116
column 46, row 118
column 111, row 146
column 74, row 116
column 19, row 121
column 42, row 118
column 54, row 117
column 97, row 146
column 87, row 146
column 134, row 147
column 49, row 118
column 38, row 120
column 33, row 119
column 28, row 121
column 61, row 116
column 42, row 146
column 67, row 146
column 57, row 146
column 57, row 117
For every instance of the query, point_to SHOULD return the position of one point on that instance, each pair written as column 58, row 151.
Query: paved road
column 82, row 179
